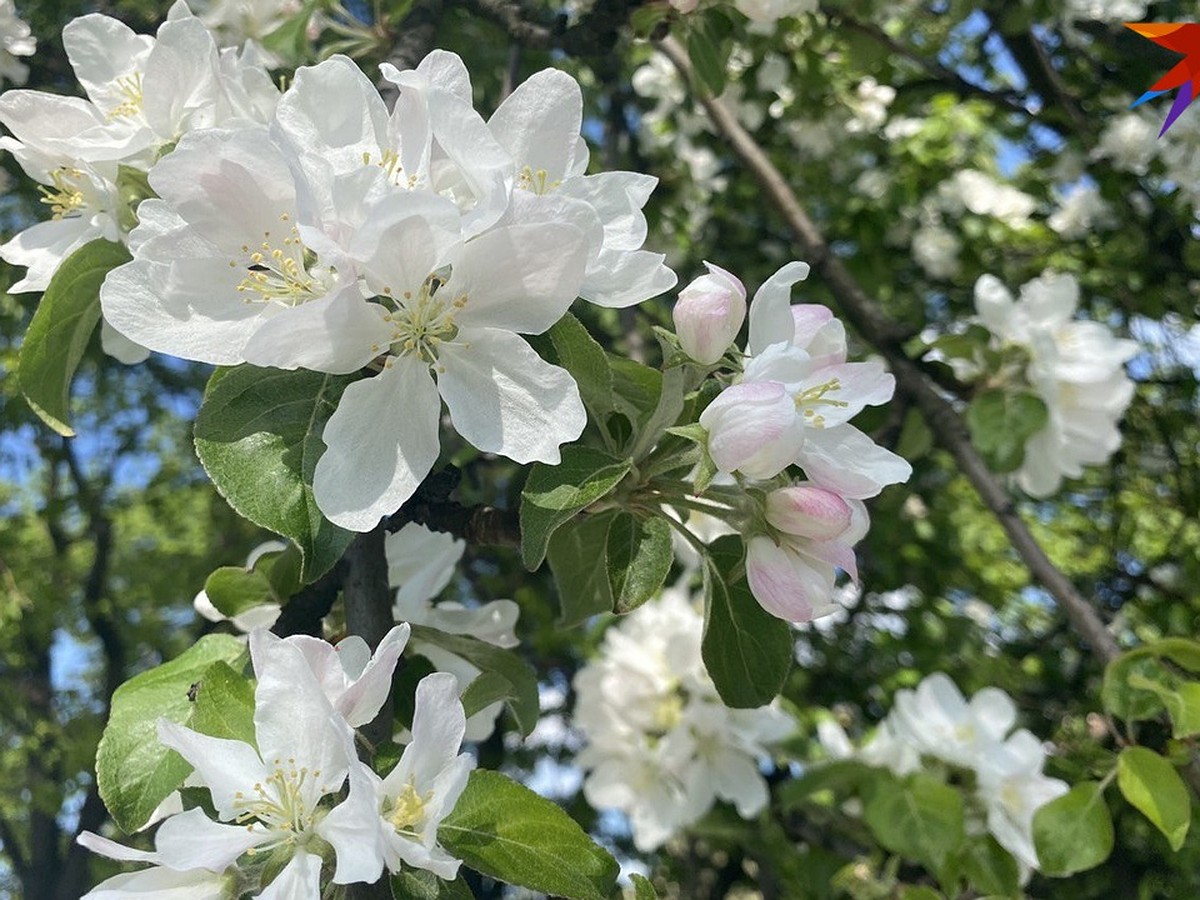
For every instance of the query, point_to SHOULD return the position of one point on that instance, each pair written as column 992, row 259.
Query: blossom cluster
column 935, row 722
column 421, row 563
column 790, row 405
column 660, row 744
column 316, row 230
column 1076, row 367
column 278, row 799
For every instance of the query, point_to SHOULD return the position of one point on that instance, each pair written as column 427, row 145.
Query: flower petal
column 770, row 312
column 504, row 398
column 381, row 442
column 518, row 277
column 226, row 767
column 299, row 880
column 192, row 840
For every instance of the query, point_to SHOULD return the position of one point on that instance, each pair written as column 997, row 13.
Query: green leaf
column 1182, row 702
column 642, row 888
column 273, row 579
column 580, row 354
column 134, row 771
column 506, row 831
column 1153, row 787
column 578, row 557
column 258, row 436
column 1073, row 832
column 666, row 412
column 747, row 651
column 1181, row 651
column 989, row 868
column 60, row 330
column 224, row 704
column 1001, row 422
column 418, row 884
column 636, row 389
column 1126, row 700
column 290, row 40
column 839, row 775
column 522, row 693
column 639, row 556
column 920, row 818
column 554, row 494
column 706, row 60
column 485, row 689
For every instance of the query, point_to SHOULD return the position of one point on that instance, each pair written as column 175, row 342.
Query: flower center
column 539, row 182
column 408, row 810
column 422, row 321
column 280, row 802
column 810, row 398
column 65, row 198
column 965, row 733
column 389, row 161
column 278, row 274
column 127, row 91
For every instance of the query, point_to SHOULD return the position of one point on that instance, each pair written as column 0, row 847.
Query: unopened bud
column 709, row 313
column 808, row 511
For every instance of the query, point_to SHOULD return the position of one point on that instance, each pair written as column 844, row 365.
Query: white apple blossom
column 394, row 820
column 709, row 313
column 332, row 122
column 15, row 40
column 144, row 93
column 539, row 125
column 236, row 21
column 936, row 719
column 936, row 250
column 1013, row 788
column 221, row 251
column 1081, row 213
column 869, row 106
column 661, row 746
column 462, row 328
column 1129, row 140
column 1076, row 367
column 768, row 11
column 983, row 195
column 796, row 397
column 273, row 792
column 420, row 564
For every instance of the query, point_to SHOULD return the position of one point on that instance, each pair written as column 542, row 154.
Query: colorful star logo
column 1181, row 38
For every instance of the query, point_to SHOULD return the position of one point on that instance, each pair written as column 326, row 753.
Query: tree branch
column 884, row 334
column 368, row 604
column 1010, row 100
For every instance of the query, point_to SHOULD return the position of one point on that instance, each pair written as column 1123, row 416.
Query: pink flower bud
column 808, row 511
column 753, row 429
column 787, row 585
column 709, row 314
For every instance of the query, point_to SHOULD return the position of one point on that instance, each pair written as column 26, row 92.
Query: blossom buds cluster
column 709, row 313
column 792, row 571
column 790, row 405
